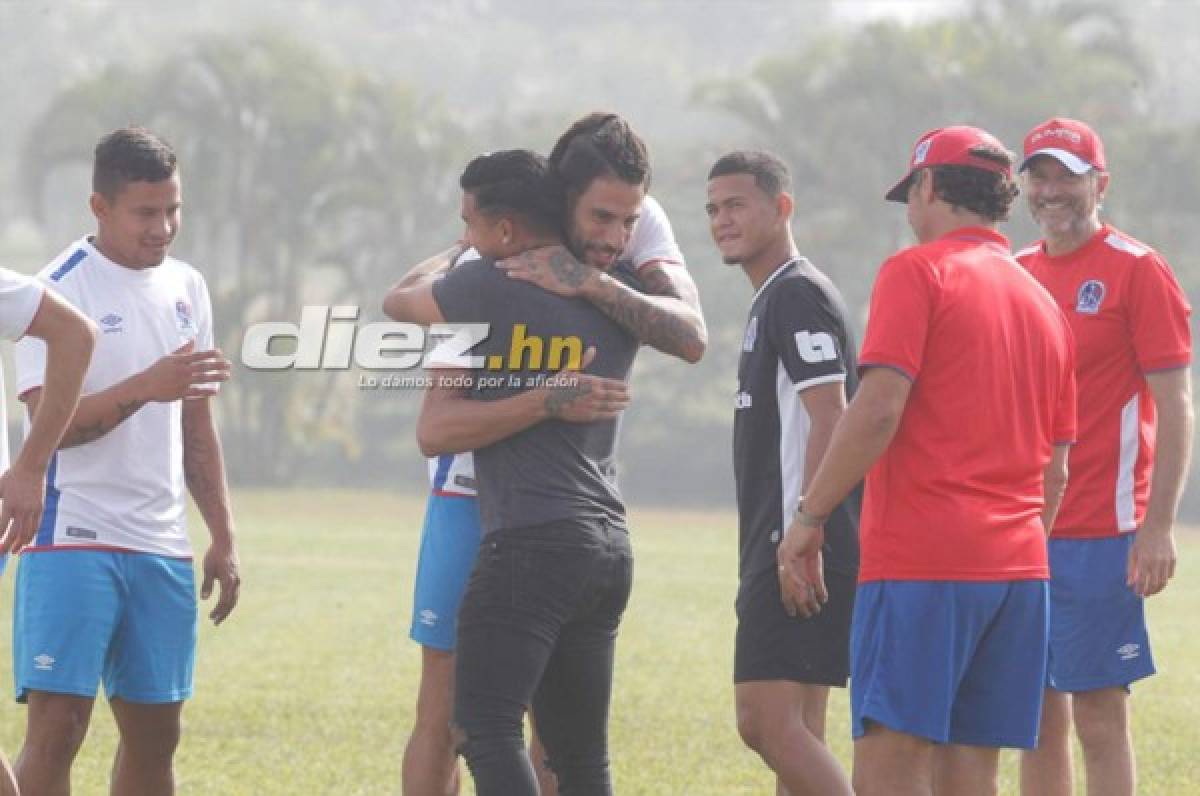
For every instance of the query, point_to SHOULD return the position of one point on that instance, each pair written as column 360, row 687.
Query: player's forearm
column 68, row 352
column 97, row 413
column 431, row 267
column 395, row 304
column 1172, row 455
column 452, row 423
column 668, row 323
column 204, row 469
column 820, row 435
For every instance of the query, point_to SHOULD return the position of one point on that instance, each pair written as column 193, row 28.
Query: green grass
column 308, row 688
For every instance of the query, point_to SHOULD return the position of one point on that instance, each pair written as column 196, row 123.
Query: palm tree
column 305, row 183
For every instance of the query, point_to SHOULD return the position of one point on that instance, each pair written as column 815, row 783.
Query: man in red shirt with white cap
column 960, row 424
column 1112, row 543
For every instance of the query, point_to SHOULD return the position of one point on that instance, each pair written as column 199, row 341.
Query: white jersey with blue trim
column 452, row 474
column 125, row 489
column 652, row 240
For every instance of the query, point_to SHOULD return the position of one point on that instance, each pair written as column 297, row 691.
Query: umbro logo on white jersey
column 112, row 323
column 815, row 347
column 44, row 662
column 1128, row 652
column 183, row 315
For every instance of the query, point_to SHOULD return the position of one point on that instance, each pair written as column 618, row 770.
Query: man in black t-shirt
column 539, row 619
column 796, row 370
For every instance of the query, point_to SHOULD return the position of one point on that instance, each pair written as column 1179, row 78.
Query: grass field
column 308, row 689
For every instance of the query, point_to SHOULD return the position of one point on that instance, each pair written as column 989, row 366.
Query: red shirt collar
column 977, row 234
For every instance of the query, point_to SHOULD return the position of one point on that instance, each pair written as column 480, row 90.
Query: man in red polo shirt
column 1111, row 546
column 961, row 425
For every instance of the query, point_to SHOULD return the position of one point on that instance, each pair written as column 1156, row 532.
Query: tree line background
column 320, row 144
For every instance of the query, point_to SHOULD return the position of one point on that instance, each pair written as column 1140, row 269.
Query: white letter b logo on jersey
column 814, row 348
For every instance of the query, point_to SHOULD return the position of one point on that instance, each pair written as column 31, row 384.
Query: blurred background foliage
column 320, row 144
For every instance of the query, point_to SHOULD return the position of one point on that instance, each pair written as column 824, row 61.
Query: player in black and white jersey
column 796, row 370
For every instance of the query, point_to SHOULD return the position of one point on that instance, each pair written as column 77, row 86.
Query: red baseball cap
column 949, row 146
column 1070, row 142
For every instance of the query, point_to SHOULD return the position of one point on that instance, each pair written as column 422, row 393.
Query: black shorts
column 771, row 645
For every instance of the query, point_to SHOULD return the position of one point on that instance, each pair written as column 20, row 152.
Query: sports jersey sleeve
column 1158, row 317
column 805, row 334
column 458, row 292
column 902, row 302
column 205, row 336
column 29, row 354
column 653, row 239
column 20, row 297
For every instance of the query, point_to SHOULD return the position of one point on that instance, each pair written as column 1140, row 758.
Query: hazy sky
column 906, row 10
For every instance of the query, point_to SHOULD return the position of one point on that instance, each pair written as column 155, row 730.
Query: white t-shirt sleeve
column 205, row 336
column 20, row 297
column 653, row 239
column 29, row 354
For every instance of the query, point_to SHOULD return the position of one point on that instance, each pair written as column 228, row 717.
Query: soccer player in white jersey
column 27, row 308
column 666, row 316
column 105, row 591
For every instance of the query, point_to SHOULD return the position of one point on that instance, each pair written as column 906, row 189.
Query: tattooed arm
column 451, row 422
column 182, row 374
column 667, row 316
column 204, row 472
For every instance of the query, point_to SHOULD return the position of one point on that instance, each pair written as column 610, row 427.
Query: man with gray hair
column 1112, row 545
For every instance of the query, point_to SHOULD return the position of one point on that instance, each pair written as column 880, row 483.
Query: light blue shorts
column 449, row 547
column 85, row 615
column 950, row 661
column 1098, row 636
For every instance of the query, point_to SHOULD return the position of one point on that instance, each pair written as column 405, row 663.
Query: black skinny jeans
column 538, row 626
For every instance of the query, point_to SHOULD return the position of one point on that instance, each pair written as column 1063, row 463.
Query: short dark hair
column 516, row 182
column 131, row 154
column 986, row 193
column 770, row 173
column 599, row 145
